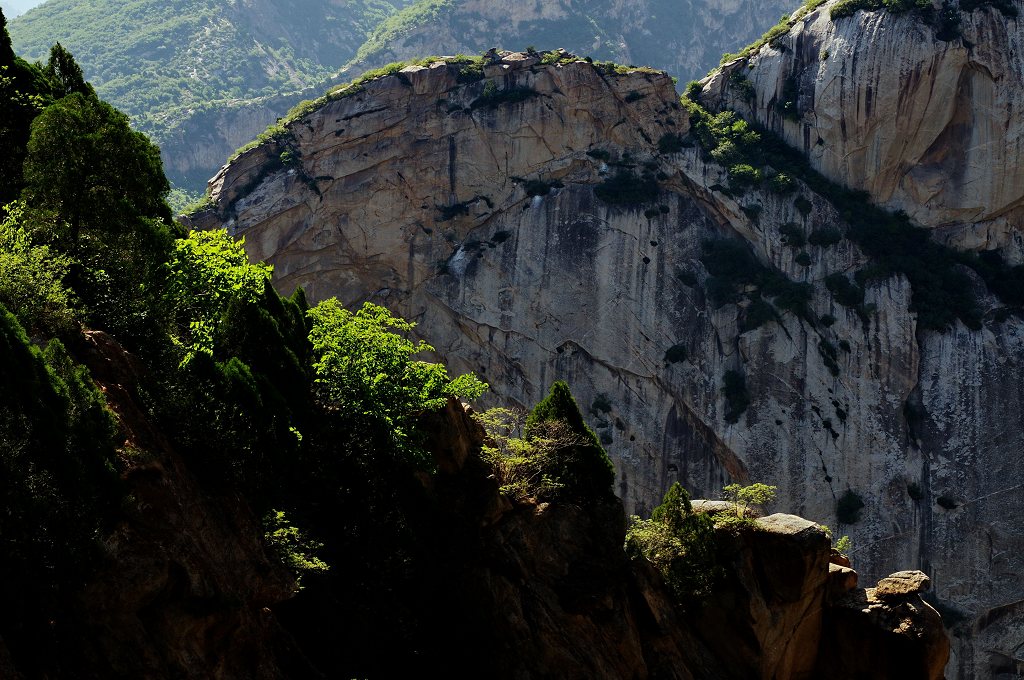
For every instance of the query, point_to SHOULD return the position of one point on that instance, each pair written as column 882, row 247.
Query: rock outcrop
column 486, row 220
column 552, row 588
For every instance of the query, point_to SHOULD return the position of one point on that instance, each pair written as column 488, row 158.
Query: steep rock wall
column 924, row 116
column 406, row 194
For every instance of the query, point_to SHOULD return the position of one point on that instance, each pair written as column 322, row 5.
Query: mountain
column 200, row 478
column 777, row 279
column 684, row 37
column 173, row 64
column 203, row 77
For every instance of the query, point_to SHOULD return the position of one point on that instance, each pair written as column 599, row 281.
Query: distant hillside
column 164, row 61
column 684, row 37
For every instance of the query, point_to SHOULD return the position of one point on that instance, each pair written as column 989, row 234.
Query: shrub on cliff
column 526, row 468
column 207, row 271
column 626, row 188
column 679, row 543
column 848, row 507
column 750, row 495
column 850, row 7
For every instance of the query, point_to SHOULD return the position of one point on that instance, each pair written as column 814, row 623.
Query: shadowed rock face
column 183, row 587
column 408, row 195
column 552, row 594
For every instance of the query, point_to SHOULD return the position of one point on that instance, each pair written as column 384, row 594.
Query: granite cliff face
column 921, row 114
column 482, row 216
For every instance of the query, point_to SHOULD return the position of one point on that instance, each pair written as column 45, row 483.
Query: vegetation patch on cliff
column 680, row 544
column 737, row 275
column 942, row 288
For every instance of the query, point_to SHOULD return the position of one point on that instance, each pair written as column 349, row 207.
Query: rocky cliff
column 922, row 114
column 561, row 221
column 214, row 75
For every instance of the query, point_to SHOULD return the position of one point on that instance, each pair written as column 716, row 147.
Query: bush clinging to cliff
column 679, row 543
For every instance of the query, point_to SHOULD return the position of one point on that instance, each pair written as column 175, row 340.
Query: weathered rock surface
column 901, row 584
column 408, row 195
column 923, row 116
column 895, row 623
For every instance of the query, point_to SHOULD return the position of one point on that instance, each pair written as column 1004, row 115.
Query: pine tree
column 65, row 73
column 583, row 468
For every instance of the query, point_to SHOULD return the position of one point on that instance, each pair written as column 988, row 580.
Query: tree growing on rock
column 584, row 468
column 751, row 495
column 680, row 544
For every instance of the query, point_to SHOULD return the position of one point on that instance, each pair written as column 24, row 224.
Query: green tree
column 584, row 469
column 24, row 92
column 65, row 73
column 743, row 497
column 206, row 272
column 680, row 544
column 6, row 48
column 363, row 366
column 58, row 487
column 31, row 279
column 527, row 468
column 88, row 169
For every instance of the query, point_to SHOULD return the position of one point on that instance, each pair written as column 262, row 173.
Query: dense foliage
column 680, row 544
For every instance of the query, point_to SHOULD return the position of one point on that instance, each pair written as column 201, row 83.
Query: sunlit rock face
column 924, row 115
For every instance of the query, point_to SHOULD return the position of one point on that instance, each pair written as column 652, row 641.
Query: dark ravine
column 842, row 399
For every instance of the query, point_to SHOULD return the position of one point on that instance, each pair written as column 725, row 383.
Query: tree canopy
column 90, row 170
column 364, row 365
